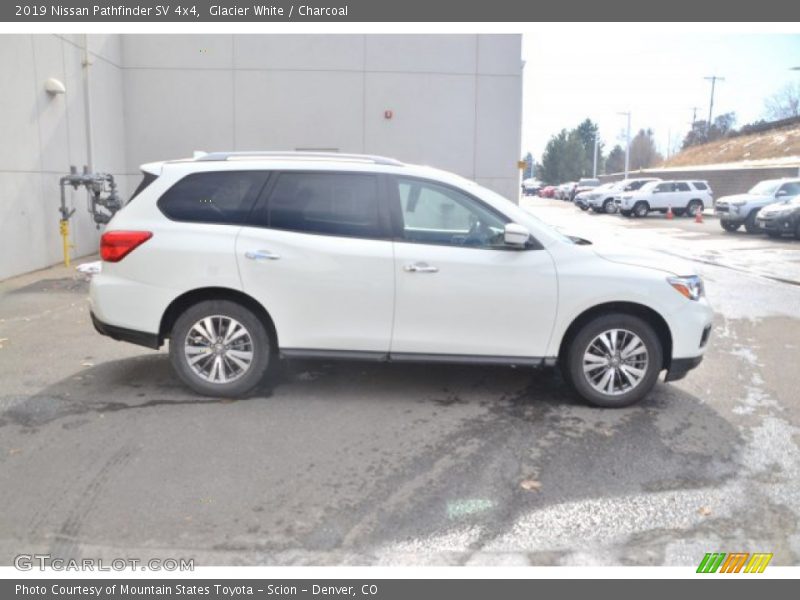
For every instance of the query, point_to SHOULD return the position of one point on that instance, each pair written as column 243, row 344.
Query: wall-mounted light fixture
column 54, row 87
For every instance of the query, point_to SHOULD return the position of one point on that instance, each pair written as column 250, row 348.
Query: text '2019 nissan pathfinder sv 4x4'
column 241, row 258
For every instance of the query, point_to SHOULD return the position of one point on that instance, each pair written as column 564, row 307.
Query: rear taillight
column 116, row 245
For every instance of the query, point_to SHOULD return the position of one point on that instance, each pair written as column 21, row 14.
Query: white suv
column 239, row 259
column 683, row 197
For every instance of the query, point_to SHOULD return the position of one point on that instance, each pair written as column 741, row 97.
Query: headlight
column 691, row 287
column 739, row 202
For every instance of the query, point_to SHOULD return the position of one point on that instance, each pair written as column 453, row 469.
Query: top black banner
column 175, row 11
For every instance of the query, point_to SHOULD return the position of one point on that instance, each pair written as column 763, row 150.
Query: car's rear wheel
column 797, row 230
column 641, row 209
column 694, row 207
column 750, row 224
column 614, row 360
column 730, row 226
column 609, row 207
column 219, row 348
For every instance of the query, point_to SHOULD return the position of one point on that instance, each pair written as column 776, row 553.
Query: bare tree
column 643, row 150
column 783, row 104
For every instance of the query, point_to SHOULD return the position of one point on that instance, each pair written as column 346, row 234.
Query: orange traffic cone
column 698, row 216
column 670, row 215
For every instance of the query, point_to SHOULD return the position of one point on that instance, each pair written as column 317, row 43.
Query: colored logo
column 735, row 562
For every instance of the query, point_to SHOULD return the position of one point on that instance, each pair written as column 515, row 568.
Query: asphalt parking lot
column 104, row 454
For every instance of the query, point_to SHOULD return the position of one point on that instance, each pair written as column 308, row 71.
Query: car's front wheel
column 219, row 348
column 613, row 361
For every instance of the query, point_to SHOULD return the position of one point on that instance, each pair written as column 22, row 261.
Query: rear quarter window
column 213, row 197
column 699, row 185
column 147, row 179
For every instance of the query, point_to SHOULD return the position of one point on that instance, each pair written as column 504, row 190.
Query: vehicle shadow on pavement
column 364, row 463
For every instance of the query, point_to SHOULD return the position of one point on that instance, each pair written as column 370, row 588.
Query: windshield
column 765, row 188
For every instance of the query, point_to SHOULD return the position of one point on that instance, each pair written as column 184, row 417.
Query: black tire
column 693, row 207
column 260, row 346
column 797, row 230
column 625, row 213
column 584, row 207
column 609, row 207
column 572, row 360
column 730, row 226
column 640, row 209
column 750, row 224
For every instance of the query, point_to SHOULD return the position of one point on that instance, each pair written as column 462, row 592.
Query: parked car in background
column 683, row 197
column 564, row 191
column 548, row 191
column 742, row 209
column 584, row 185
column 781, row 218
column 531, row 187
column 240, row 258
column 582, row 199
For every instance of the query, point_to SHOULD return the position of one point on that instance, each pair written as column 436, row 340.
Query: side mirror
column 516, row 235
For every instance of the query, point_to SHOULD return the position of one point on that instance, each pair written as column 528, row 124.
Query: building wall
column 43, row 135
column 456, row 99
column 456, row 102
column 723, row 182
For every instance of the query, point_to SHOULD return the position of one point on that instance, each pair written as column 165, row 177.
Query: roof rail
column 378, row 160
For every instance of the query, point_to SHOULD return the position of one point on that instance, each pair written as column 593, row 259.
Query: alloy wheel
column 218, row 349
column 615, row 362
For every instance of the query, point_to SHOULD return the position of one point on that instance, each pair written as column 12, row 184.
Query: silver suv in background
column 742, row 209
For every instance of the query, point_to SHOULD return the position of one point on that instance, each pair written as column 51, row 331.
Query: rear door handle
column 261, row 255
column 420, row 267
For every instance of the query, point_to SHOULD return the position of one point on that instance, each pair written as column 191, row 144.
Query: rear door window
column 213, row 197
column 682, row 186
column 341, row 204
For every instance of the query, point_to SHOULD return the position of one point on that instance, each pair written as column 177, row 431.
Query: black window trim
column 262, row 204
column 253, row 202
column 393, row 198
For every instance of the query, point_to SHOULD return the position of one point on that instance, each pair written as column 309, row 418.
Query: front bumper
column 679, row 367
column 776, row 223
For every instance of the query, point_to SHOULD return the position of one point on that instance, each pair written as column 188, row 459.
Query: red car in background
column 547, row 191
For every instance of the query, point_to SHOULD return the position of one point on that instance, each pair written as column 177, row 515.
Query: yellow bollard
column 63, row 227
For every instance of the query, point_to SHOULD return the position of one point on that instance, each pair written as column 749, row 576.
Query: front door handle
column 261, row 255
column 420, row 267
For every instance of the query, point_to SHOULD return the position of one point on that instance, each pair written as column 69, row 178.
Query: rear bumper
column 679, row 367
column 141, row 338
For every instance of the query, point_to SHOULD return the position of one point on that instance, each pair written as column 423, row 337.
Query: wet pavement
column 104, row 454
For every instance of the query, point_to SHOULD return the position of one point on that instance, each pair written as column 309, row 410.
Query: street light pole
column 627, row 143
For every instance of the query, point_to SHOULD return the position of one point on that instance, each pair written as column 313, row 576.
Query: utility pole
column 713, row 79
column 694, row 116
column 628, row 143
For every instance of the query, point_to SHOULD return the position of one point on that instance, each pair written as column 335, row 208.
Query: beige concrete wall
column 44, row 134
column 456, row 101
